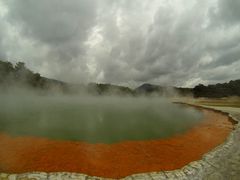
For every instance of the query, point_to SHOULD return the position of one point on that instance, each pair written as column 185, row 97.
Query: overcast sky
column 126, row 42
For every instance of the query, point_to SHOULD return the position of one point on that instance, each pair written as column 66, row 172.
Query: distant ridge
column 148, row 89
column 20, row 76
column 106, row 89
column 232, row 88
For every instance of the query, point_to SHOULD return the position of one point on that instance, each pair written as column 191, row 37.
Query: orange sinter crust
column 26, row 154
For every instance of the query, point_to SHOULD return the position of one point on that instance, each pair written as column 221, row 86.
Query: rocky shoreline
column 223, row 162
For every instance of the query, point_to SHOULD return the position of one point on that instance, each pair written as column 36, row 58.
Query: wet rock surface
column 223, row 162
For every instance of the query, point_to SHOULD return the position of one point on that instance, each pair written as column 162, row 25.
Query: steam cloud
column 102, row 119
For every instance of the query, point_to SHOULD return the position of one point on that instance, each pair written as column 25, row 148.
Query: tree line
column 20, row 75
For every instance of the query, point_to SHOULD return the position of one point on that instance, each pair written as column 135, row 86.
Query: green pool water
column 94, row 119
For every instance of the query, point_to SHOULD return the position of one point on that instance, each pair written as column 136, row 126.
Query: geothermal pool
column 104, row 136
column 94, row 119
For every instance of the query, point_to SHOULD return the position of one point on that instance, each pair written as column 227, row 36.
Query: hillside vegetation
column 19, row 75
column 231, row 88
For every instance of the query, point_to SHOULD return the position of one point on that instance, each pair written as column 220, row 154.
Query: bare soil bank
column 25, row 154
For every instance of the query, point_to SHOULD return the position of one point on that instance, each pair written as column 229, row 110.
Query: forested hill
column 231, row 88
column 19, row 75
column 147, row 89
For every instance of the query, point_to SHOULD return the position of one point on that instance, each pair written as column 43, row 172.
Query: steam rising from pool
column 93, row 119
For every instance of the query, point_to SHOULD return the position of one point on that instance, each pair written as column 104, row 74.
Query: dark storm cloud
column 2, row 50
column 53, row 22
column 227, row 58
column 124, row 42
column 227, row 11
column 61, row 27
